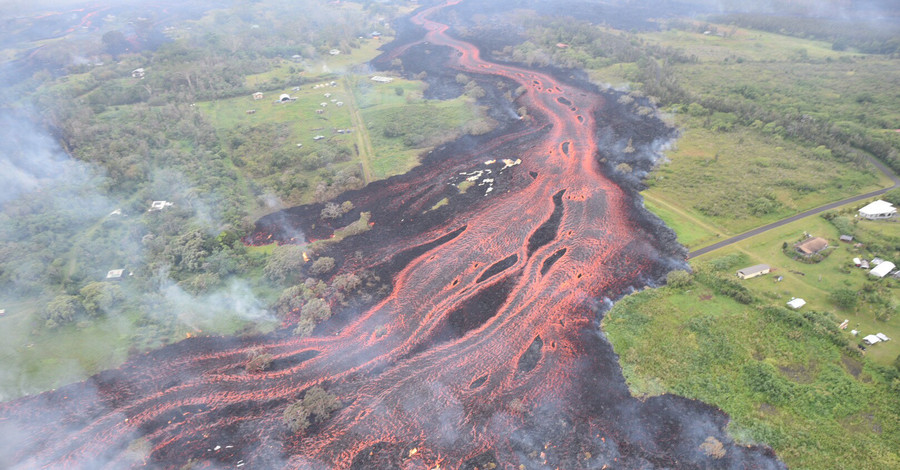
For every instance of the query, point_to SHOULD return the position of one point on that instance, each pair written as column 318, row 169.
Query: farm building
column 796, row 303
column 258, row 95
column 812, row 246
column 878, row 210
column 882, row 269
column 753, row 271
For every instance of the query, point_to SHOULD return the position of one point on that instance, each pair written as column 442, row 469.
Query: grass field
column 737, row 180
column 815, row 282
column 782, row 381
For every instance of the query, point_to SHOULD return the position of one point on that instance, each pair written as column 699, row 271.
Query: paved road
column 884, row 169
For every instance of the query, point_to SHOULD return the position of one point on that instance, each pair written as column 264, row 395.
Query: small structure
column 864, row 264
column 334, row 52
column 812, row 246
column 562, row 45
column 138, row 73
column 382, row 79
column 285, row 98
column 339, row 104
column 328, row 95
column 2, row 312
column 882, row 269
column 251, row 111
column 258, row 95
column 323, row 104
column 319, row 137
column 846, row 238
column 296, row 57
column 882, row 336
column 796, row 303
column 320, row 111
column 871, row 339
column 753, row 271
column 115, row 275
column 844, row 324
column 296, row 88
column 878, row 210
column 159, row 205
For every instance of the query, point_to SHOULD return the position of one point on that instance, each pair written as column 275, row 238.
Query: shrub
column 678, row 278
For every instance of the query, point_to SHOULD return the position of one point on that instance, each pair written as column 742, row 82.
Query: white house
column 878, row 210
column 753, row 271
column 882, row 269
column 796, row 303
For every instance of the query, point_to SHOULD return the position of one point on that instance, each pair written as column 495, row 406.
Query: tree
column 323, row 265
column 845, row 299
column 331, row 211
column 284, row 264
column 317, row 310
column 61, row 310
column 296, row 416
column 259, row 361
column 100, row 297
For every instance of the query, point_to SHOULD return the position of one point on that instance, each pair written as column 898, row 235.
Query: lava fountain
column 488, row 353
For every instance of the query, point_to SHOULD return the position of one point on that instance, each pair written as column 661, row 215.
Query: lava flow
column 484, row 354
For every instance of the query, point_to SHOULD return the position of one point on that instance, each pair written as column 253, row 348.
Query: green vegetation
column 786, row 378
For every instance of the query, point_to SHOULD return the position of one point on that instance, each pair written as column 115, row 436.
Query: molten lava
column 490, row 355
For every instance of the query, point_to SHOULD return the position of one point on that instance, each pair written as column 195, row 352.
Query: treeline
column 870, row 37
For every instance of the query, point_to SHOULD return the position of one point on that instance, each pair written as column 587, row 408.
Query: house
column 382, row 79
column 158, row 205
column 138, row 73
column 753, row 271
column 812, row 246
column 796, row 303
column 846, row 238
column 882, row 269
column 258, row 95
column 878, row 210
column 871, row 339
column 334, row 52
column 115, row 275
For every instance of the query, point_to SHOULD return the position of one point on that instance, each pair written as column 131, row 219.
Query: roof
column 872, row 339
column 115, row 273
column 796, row 303
column 846, row 238
column 877, row 207
column 754, row 269
column 813, row 245
column 882, row 269
column 882, row 336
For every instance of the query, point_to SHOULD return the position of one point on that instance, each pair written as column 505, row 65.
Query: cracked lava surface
column 488, row 352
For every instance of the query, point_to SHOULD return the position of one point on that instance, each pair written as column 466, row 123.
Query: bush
column 845, row 299
column 315, row 407
column 678, row 278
